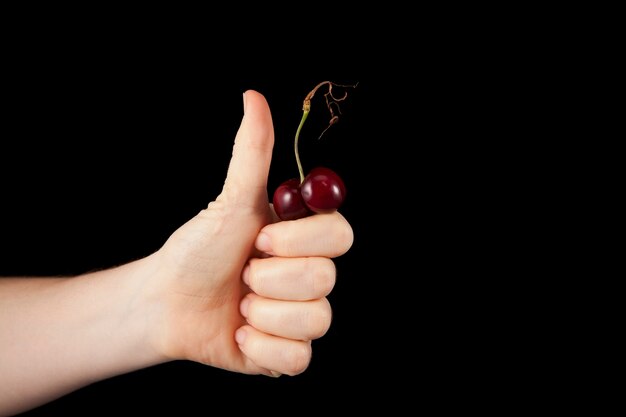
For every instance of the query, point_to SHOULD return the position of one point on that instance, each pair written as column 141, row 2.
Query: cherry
column 288, row 202
column 323, row 190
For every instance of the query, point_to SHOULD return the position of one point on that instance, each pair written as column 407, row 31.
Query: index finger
column 326, row 235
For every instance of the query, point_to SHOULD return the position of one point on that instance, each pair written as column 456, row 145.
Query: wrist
column 118, row 316
column 142, row 309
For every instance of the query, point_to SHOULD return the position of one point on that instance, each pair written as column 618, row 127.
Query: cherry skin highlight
column 323, row 190
column 288, row 203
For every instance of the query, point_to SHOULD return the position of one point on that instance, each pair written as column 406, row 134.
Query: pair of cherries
column 322, row 191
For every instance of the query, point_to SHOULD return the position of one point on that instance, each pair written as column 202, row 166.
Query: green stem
column 295, row 145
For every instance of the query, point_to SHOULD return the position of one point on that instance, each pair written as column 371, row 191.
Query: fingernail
column 243, row 307
column 240, row 336
column 244, row 103
column 275, row 374
column 263, row 243
column 245, row 275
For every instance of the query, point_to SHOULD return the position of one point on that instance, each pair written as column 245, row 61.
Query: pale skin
column 232, row 288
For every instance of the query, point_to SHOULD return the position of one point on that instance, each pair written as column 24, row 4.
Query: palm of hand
column 204, row 260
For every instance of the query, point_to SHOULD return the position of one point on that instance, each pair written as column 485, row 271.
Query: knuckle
column 298, row 359
column 235, row 197
column 343, row 236
column 320, row 319
column 322, row 274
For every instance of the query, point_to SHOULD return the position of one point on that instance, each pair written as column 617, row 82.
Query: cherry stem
column 295, row 145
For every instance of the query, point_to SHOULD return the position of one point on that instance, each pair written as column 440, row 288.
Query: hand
column 235, row 289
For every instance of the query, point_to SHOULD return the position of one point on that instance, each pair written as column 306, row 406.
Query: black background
column 101, row 162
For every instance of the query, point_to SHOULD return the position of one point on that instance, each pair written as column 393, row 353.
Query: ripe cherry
column 288, row 202
column 323, row 190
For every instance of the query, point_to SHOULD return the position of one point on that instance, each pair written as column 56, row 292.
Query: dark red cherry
column 323, row 190
column 288, row 203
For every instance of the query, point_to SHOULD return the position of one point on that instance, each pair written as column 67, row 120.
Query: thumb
column 252, row 152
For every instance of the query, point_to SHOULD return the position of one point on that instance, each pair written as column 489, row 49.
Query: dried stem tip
column 332, row 102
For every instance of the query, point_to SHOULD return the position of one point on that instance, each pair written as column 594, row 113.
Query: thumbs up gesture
column 234, row 287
